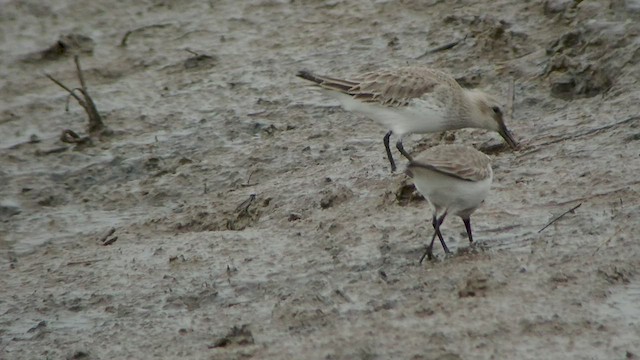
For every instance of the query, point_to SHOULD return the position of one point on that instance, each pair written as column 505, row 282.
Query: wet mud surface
column 234, row 212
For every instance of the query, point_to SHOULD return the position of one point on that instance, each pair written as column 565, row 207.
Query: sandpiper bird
column 415, row 100
column 455, row 180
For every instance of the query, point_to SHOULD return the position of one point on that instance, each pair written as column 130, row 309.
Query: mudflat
column 231, row 211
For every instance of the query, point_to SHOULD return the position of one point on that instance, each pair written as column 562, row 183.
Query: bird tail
column 327, row 82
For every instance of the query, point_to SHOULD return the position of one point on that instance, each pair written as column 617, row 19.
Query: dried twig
column 249, row 183
column 594, row 130
column 606, row 242
column 107, row 234
column 71, row 93
column 123, row 42
column 576, row 135
column 191, row 52
column 243, row 208
column 33, row 139
column 95, row 121
column 66, row 104
column 105, row 240
column 52, row 151
column 71, row 137
column 110, row 241
column 442, row 47
column 560, row 216
column 343, row 295
column 511, row 107
column 83, row 262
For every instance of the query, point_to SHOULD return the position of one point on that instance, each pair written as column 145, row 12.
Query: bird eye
column 496, row 110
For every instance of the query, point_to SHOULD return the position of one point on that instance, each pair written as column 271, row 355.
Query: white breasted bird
column 415, row 99
column 455, row 179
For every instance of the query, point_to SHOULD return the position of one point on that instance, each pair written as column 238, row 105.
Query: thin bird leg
column 436, row 225
column 403, row 151
column 467, row 225
column 429, row 251
column 389, row 155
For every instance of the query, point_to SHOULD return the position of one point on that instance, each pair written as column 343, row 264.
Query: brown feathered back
column 459, row 161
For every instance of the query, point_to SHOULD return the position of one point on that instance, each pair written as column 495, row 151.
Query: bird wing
column 396, row 87
column 457, row 161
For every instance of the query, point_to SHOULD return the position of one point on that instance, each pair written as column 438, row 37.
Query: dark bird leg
column 467, row 225
column 429, row 251
column 436, row 225
column 403, row 151
column 389, row 155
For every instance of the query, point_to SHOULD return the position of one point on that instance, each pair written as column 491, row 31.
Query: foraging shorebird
column 455, row 180
column 415, row 100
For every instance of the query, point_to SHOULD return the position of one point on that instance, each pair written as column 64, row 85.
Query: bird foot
column 428, row 254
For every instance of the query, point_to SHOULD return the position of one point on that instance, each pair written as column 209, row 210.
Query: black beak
column 506, row 135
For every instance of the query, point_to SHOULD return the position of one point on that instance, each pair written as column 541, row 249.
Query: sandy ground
column 256, row 219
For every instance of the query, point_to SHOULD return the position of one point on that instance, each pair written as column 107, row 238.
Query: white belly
column 453, row 195
column 418, row 117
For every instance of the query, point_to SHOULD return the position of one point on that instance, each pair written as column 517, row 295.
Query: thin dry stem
column 512, row 99
column 95, row 121
column 560, row 216
column 444, row 47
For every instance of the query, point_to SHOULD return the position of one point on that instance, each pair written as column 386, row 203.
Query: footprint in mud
column 476, row 284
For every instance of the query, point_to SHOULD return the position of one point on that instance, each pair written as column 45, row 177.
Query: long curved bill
column 506, row 135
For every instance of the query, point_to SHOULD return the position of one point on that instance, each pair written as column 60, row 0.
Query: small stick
column 83, row 85
column 191, row 52
column 33, row 139
column 71, row 93
column 580, row 134
column 249, row 180
column 244, row 206
column 595, row 130
column 343, row 295
column 95, row 121
column 607, row 241
column 512, row 99
column 52, row 151
column 627, row 187
column 560, row 216
column 66, row 104
column 109, row 233
column 70, row 137
column 83, row 262
column 110, row 241
column 123, row 42
column 442, row 47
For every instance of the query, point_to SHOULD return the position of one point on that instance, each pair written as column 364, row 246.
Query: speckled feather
column 393, row 87
column 458, row 161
